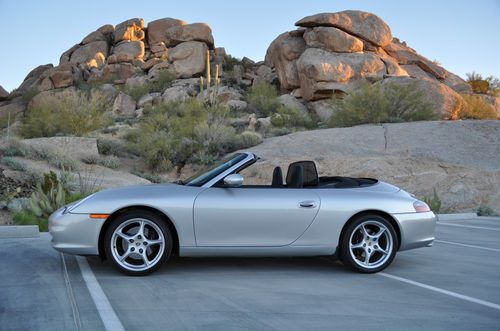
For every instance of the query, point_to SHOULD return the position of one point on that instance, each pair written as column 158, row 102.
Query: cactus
column 43, row 203
column 211, row 90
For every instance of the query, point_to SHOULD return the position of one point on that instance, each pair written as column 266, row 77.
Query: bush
column 137, row 92
column 28, row 218
column 476, row 108
column 160, row 83
column 264, row 96
column 13, row 163
column 177, row 133
column 58, row 160
column 489, row 85
column 230, row 62
column 66, row 113
column 291, row 118
column 5, row 121
column 249, row 139
column 115, row 147
column 485, row 211
column 434, row 202
column 378, row 103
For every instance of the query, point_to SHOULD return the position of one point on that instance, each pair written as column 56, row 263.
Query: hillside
column 460, row 159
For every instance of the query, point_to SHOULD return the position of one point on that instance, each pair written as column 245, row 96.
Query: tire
column 134, row 252
column 371, row 236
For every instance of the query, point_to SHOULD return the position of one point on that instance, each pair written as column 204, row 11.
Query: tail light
column 421, row 207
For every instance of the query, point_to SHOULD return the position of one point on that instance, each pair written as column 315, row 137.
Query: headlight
column 421, row 207
column 75, row 204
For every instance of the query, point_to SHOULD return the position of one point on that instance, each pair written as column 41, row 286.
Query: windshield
column 206, row 175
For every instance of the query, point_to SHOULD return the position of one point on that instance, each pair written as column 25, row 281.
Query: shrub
column 476, row 108
column 485, row 211
column 58, row 160
column 230, row 62
column 5, row 120
column 137, row 92
column 66, row 113
column 13, row 163
column 160, row 83
column 111, row 162
column 264, row 96
column 434, row 202
column 116, row 147
column 28, row 218
column 290, row 118
column 13, row 149
column 378, row 103
column 489, row 85
column 249, row 139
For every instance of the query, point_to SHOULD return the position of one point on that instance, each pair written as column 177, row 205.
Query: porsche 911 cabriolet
column 362, row 221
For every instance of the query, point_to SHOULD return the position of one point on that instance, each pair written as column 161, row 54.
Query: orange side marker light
column 99, row 216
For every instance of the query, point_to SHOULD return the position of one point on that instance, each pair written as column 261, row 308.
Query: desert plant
column 476, row 108
column 212, row 91
column 291, row 118
column 28, row 218
column 44, row 202
column 264, row 97
column 160, row 83
column 230, row 62
column 249, row 139
column 111, row 162
column 434, row 202
column 136, row 92
column 483, row 85
column 66, row 113
column 484, row 210
column 377, row 103
column 13, row 163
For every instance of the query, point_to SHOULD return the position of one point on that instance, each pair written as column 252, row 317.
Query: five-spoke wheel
column 369, row 244
column 138, row 242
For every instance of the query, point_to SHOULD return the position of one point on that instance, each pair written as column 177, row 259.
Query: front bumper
column 417, row 229
column 75, row 233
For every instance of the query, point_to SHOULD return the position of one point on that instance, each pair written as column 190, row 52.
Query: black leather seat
column 277, row 177
column 295, row 176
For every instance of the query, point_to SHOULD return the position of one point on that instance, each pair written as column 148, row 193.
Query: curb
column 454, row 217
column 19, row 231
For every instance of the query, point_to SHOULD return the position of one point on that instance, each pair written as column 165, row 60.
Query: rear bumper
column 75, row 233
column 417, row 229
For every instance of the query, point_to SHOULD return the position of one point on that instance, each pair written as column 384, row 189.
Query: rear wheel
column 138, row 242
column 369, row 244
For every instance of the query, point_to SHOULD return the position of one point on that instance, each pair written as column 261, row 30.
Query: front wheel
column 138, row 242
column 369, row 244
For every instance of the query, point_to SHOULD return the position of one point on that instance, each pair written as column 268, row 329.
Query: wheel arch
column 115, row 214
column 381, row 213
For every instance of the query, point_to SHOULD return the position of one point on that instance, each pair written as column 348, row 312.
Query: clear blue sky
column 462, row 35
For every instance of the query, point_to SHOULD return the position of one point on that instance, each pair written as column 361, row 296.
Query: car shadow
column 216, row 265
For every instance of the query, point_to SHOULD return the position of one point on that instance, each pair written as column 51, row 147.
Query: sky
column 462, row 35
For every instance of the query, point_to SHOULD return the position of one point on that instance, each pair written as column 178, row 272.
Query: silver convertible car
column 361, row 220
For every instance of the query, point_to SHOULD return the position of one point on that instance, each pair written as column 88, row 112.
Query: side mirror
column 234, row 180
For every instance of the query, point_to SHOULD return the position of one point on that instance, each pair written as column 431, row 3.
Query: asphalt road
column 453, row 285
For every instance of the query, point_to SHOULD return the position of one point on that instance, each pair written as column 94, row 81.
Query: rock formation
column 333, row 52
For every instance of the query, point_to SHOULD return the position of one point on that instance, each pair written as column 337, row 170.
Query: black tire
column 355, row 257
column 153, row 223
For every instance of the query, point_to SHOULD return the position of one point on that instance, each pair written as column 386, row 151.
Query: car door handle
column 307, row 204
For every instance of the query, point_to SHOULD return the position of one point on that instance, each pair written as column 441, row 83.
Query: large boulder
column 3, row 93
column 32, row 79
column 282, row 55
column 129, row 50
column 446, row 102
column 188, row 58
column 361, row 24
column 124, row 105
column 95, row 51
column 116, row 73
column 322, row 73
column 189, row 32
column 104, row 33
column 131, row 29
column 406, row 55
column 332, row 39
column 157, row 30
column 62, row 78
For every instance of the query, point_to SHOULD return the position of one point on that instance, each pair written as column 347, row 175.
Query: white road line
column 469, row 226
column 71, row 296
column 467, row 245
column 108, row 316
column 446, row 292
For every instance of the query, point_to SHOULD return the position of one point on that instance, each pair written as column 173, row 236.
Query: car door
column 243, row 216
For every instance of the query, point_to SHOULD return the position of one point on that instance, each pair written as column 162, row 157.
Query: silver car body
column 245, row 221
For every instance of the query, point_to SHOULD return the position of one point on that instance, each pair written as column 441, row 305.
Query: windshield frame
column 220, row 170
